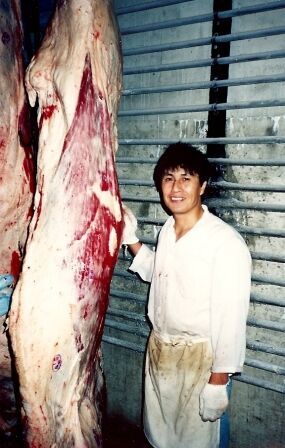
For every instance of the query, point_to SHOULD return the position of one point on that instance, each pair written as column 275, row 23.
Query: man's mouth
column 176, row 199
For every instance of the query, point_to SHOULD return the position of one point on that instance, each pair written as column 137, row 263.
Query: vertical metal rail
column 217, row 118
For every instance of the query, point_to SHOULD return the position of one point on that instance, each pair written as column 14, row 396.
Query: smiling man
column 198, row 303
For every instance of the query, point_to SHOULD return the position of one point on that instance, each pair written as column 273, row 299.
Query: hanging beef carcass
column 59, row 303
column 16, row 178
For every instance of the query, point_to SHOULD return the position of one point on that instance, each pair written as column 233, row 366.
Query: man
column 198, row 304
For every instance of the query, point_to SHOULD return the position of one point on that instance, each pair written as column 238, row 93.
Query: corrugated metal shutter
column 174, row 90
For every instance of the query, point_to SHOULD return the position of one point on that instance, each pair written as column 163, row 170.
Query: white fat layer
column 113, row 241
column 108, row 200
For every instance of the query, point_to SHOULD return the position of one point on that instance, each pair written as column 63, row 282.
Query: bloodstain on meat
column 47, row 113
column 15, row 264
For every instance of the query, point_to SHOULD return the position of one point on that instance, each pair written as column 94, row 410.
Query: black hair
column 185, row 156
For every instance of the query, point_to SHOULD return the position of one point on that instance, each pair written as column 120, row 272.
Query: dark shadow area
column 117, row 433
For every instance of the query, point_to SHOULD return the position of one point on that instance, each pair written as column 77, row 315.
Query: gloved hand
column 213, row 402
column 130, row 227
column 6, row 289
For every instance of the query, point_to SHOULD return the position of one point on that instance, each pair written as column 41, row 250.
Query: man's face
column 181, row 191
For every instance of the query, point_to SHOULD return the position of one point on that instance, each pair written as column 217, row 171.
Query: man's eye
column 186, row 178
column 167, row 179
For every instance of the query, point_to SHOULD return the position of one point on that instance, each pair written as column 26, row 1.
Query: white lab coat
column 200, row 287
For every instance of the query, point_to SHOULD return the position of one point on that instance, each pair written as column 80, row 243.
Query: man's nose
column 176, row 186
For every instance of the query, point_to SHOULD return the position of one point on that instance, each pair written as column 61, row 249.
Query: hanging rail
column 254, row 298
column 218, row 203
column 219, row 161
column 236, row 12
column 260, row 256
column 209, row 40
column 202, row 108
column 260, row 383
column 255, row 278
column 258, row 298
column 205, row 85
column 266, row 55
column 259, row 231
column 224, row 185
column 243, row 378
column 147, row 6
column 143, row 330
column 207, row 141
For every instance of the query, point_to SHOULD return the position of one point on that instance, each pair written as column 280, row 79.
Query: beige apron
column 175, row 374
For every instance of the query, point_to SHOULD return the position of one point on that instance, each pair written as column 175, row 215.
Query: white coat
column 200, row 288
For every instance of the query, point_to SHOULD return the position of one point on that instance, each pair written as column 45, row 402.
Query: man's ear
column 203, row 187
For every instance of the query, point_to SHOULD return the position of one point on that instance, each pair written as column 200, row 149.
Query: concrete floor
column 117, row 434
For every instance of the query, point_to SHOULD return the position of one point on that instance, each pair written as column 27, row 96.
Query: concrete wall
column 256, row 411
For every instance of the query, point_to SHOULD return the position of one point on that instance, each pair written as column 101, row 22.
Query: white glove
column 130, row 227
column 213, row 402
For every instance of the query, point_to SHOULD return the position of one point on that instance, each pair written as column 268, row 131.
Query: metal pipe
column 209, row 40
column 254, row 297
column 146, row 6
column 202, row 18
column 126, row 328
column 207, row 141
column 260, row 232
column 259, row 323
column 135, row 70
column 217, row 203
column 248, row 361
column 257, row 298
column 129, row 296
column 260, row 383
column 267, row 257
column 124, row 274
column 242, row 378
column 263, row 7
column 255, row 278
column 249, row 187
column 277, row 233
column 127, row 315
column 268, row 325
column 261, row 347
column 205, row 85
column 268, row 280
column 220, row 184
column 218, row 161
column 125, row 344
column 272, row 257
column 264, row 366
column 203, row 107
column 236, row 204
column 166, row 24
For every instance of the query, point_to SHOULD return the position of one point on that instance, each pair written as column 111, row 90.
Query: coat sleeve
column 143, row 263
column 230, row 296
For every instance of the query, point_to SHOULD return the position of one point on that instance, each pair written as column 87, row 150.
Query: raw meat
column 16, row 178
column 59, row 304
